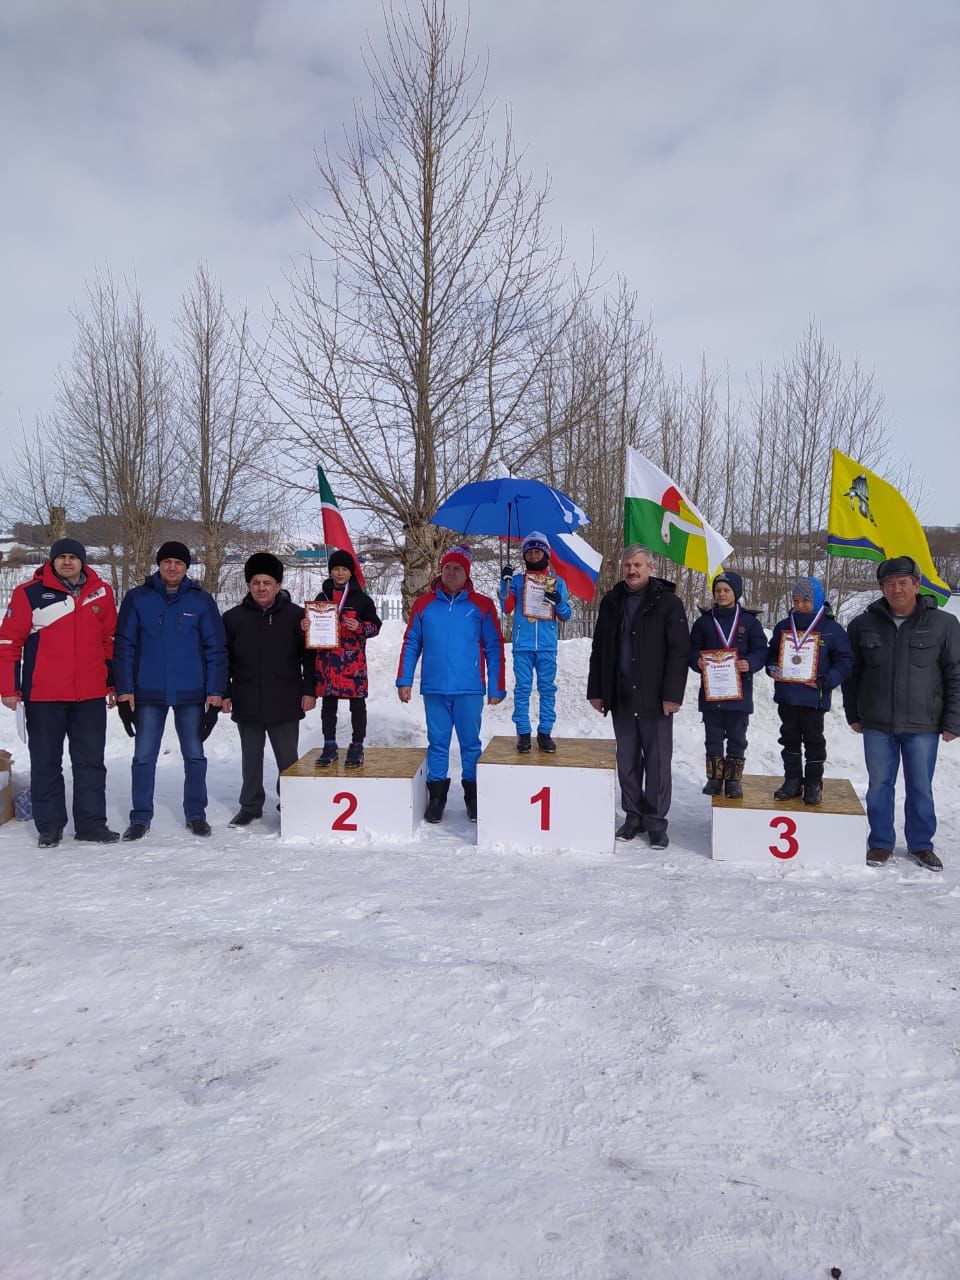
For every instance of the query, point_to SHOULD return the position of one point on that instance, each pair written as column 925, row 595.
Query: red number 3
column 340, row 822
column 787, row 834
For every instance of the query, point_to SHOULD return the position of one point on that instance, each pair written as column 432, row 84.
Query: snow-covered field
column 235, row 1058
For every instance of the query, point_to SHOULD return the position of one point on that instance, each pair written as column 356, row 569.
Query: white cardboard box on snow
column 759, row 829
column 385, row 797
column 545, row 801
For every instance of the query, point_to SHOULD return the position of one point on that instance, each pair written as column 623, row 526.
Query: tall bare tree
column 223, row 423
column 409, row 350
column 114, row 407
column 37, row 489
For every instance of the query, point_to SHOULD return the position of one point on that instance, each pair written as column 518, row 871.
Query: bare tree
column 223, row 424
column 37, row 490
column 408, row 353
column 114, row 404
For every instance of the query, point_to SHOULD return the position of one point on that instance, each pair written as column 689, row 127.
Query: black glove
column 506, row 573
column 125, row 712
column 209, row 720
column 553, row 596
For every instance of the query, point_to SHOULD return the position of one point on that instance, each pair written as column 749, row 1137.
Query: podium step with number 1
column 558, row 801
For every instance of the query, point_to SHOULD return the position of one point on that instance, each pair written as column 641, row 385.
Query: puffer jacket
column 531, row 633
column 170, row 649
column 905, row 679
column 834, row 661
column 460, row 641
column 54, row 646
column 750, row 643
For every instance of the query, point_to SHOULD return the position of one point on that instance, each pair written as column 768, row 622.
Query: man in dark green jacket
column 903, row 696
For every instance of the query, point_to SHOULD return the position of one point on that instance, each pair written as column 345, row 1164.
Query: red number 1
column 786, row 838
column 542, row 798
column 340, row 822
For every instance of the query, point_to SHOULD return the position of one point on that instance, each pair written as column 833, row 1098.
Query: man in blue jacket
column 170, row 651
column 457, row 633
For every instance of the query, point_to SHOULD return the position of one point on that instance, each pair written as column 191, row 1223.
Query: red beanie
column 457, row 555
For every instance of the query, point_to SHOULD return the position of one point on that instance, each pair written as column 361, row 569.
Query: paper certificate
column 324, row 631
column 534, row 606
column 721, row 679
column 798, row 662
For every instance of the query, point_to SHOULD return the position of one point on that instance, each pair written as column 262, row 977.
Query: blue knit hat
column 733, row 581
column 809, row 589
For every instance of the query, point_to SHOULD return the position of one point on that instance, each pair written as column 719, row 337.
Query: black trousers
column 644, row 766
column 328, row 718
column 801, row 736
column 84, row 726
column 284, row 739
column 720, row 725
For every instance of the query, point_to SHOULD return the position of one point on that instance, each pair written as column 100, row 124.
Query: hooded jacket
column 270, row 669
column 460, row 641
column 342, row 672
column 56, row 646
column 750, row 642
column 170, row 648
column 905, row 679
column 834, row 661
column 659, row 645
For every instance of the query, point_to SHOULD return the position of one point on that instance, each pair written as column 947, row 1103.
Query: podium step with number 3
column 759, row 829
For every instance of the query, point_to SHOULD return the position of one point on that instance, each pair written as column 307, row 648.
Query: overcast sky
column 747, row 166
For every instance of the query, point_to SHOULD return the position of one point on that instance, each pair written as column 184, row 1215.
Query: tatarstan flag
column 335, row 534
column 658, row 514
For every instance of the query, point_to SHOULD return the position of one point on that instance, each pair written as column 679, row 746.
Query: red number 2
column 340, row 822
column 542, row 798
column 787, row 834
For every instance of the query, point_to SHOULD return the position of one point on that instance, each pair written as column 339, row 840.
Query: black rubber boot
column 437, row 792
column 793, row 777
column 523, row 743
column 732, row 776
column 813, row 783
column 714, row 776
column 470, row 799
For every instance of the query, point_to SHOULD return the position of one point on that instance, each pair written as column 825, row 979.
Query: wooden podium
column 385, row 797
column 561, row 801
column 761, row 830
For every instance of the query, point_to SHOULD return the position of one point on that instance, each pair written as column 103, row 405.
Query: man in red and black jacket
column 56, row 649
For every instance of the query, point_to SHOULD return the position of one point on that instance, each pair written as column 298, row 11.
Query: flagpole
column 829, row 572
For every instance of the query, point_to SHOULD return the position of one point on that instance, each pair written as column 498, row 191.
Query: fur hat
column 809, row 589
column 535, row 541
column 460, row 555
column 263, row 562
column 68, row 547
column 899, row 567
column 341, row 560
column 733, row 581
column 174, row 551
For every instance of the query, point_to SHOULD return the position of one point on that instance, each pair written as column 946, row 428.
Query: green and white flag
column 658, row 514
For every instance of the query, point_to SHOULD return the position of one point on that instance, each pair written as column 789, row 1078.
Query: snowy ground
column 235, row 1058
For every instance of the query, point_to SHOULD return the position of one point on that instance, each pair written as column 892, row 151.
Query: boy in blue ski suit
column 457, row 633
column 802, row 706
column 534, row 643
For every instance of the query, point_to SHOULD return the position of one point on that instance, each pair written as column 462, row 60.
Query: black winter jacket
column 660, row 647
column 905, row 679
column 270, row 670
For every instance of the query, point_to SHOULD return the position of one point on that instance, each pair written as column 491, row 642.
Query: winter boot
column 793, row 777
column 732, row 775
column 327, row 756
column 470, row 799
column 354, row 755
column 523, row 743
column 813, row 783
column 545, row 742
column 437, row 792
column 714, row 776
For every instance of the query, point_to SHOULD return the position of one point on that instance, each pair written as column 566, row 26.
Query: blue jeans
column 883, row 753
column 525, row 662
column 188, row 721
column 446, row 712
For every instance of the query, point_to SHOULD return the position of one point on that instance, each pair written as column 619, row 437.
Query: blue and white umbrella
column 509, row 508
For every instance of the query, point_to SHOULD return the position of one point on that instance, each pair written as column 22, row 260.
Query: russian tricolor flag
column 576, row 562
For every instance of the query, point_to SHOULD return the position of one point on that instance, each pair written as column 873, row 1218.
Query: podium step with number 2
column 557, row 801
column 386, row 796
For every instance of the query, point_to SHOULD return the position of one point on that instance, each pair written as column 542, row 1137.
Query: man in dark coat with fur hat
column 638, row 672
column 271, row 678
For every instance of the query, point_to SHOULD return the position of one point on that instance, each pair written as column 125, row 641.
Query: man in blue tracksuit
column 457, row 633
column 170, row 651
column 534, row 642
